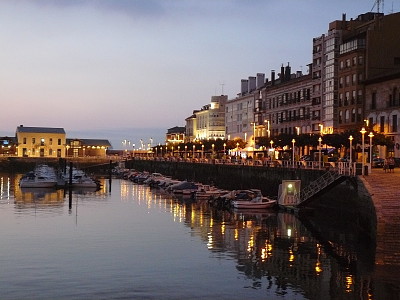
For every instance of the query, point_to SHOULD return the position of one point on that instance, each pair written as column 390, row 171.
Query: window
column 340, row 117
column 33, row 140
column 394, row 123
column 373, row 101
column 353, row 115
column 42, row 142
column 24, row 140
column 346, row 116
column 59, row 141
column 382, row 124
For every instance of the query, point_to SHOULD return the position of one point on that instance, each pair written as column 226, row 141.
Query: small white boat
column 253, row 200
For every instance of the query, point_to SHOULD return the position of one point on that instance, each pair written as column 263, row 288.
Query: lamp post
column 371, row 135
column 185, row 150
column 213, row 150
column 224, row 148
column 173, row 151
column 202, row 151
column 268, row 128
column 194, row 147
column 351, row 148
column 363, row 131
column 293, row 142
column 272, row 149
column 237, row 149
column 320, row 141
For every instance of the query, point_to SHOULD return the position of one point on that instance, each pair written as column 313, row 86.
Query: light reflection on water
column 138, row 243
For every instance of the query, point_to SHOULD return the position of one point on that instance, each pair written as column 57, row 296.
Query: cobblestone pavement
column 385, row 192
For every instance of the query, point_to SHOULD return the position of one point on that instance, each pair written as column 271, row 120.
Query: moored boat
column 42, row 177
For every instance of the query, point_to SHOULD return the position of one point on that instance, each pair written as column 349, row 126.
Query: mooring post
column 110, row 176
column 70, row 174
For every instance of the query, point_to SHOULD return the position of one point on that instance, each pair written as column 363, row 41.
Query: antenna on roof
column 222, row 88
column 378, row 5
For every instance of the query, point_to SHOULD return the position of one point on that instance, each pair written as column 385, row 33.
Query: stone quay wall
column 228, row 176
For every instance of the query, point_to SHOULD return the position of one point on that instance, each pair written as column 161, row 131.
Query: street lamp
column 363, row 131
column 237, row 149
column 268, row 128
column 272, row 149
column 213, row 150
column 185, row 150
column 320, row 140
column 293, row 142
column 202, row 151
column 194, row 147
column 224, row 148
column 351, row 148
column 371, row 135
column 173, row 151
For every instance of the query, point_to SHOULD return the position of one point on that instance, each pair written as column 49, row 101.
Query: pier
column 384, row 191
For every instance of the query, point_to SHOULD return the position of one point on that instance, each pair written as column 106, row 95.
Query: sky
column 131, row 69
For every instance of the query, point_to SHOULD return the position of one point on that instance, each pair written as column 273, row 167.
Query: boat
column 254, row 203
column 80, row 179
column 208, row 192
column 252, row 199
column 42, row 176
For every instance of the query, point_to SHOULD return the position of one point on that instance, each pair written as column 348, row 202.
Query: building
column 240, row 111
column 191, row 125
column 382, row 109
column 210, row 120
column 369, row 48
column 175, row 135
column 87, row 147
column 286, row 104
column 40, row 142
column 8, row 146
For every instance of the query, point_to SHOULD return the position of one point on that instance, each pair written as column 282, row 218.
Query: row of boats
column 246, row 199
column 44, row 176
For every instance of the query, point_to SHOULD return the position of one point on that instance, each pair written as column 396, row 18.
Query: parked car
column 377, row 162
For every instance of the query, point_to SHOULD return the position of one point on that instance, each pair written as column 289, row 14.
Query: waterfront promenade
column 384, row 189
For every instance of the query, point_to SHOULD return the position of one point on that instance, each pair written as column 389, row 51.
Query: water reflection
column 276, row 251
column 314, row 257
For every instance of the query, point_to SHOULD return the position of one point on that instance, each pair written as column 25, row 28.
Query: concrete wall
column 228, row 176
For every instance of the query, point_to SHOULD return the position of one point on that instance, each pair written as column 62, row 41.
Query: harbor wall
column 225, row 176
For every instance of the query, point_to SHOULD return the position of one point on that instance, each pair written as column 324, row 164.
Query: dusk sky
column 129, row 68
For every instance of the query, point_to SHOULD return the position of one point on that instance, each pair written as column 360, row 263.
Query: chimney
column 299, row 74
column 282, row 74
column 244, row 86
column 287, row 72
column 252, row 83
column 272, row 77
column 260, row 80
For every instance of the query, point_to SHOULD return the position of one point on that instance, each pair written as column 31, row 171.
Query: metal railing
column 319, row 184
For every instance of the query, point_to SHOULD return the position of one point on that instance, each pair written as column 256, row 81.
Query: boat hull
column 253, row 205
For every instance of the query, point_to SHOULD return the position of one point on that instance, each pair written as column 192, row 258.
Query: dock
column 384, row 189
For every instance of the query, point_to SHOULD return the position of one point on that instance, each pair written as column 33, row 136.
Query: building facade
column 369, row 48
column 87, row 148
column 287, row 105
column 382, row 109
column 40, row 142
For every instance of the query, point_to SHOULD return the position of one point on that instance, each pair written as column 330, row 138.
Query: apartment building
column 369, row 48
column 286, row 104
column 382, row 108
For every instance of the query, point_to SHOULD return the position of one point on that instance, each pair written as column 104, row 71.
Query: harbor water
column 127, row 241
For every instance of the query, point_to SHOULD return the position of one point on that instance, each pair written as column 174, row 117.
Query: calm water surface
column 128, row 241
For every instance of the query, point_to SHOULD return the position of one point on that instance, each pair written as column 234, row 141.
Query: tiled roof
column 40, row 130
